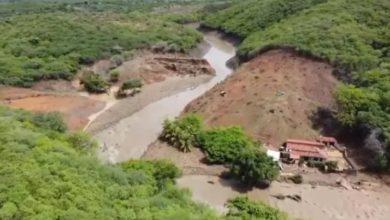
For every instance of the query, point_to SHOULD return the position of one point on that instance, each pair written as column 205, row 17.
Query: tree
column 253, row 166
column 245, row 209
column 95, row 83
column 162, row 171
column 181, row 132
column 351, row 100
column 50, row 121
column 223, row 145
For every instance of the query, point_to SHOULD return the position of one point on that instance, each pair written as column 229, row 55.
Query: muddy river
column 132, row 135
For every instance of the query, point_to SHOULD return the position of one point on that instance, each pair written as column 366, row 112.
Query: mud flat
column 319, row 203
column 131, row 136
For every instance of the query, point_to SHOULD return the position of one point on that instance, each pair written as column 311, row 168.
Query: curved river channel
column 144, row 127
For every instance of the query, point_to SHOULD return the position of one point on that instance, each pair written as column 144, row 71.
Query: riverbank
column 141, row 128
column 319, row 202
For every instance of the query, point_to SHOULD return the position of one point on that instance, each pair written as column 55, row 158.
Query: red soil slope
column 271, row 97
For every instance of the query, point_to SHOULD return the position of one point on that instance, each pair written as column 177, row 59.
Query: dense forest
column 352, row 35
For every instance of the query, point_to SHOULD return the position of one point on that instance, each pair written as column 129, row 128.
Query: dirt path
column 319, row 203
column 130, row 137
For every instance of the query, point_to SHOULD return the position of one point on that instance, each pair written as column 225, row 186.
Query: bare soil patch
column 272, row 97
column 75, row 109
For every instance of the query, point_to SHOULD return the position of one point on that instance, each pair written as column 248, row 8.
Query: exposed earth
column 272, row 97
column 74, row 108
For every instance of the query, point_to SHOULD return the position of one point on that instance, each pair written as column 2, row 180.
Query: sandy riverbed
column 319, row 203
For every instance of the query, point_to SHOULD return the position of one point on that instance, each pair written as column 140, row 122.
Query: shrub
column 114, row 76
column 116, row 61
column 131, row 84
column 223, row 145
column 243, row 208
column 181, row 132
column 254, row 166
column 50, row 121
column 95, row 83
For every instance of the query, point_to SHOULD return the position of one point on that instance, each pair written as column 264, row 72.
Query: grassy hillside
column 53, row 45
column 351, row 34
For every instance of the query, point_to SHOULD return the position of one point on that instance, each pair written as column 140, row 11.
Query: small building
column 304, row 150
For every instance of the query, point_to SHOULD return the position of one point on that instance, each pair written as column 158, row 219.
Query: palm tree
column 181, row 132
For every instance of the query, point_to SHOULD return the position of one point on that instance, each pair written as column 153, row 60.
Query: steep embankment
column 272, row 97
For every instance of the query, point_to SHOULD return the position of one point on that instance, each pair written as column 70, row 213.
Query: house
column 304, row 150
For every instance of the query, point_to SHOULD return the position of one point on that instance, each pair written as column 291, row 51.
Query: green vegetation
column 247, row 17
column 245, row 209
column 95, row 83
column 50, row 121
column 54, row 45
column 44, row 177
column 254, row 166
column 181, row 133
column 131, row 84
column 228, row 146
column 114, row 76
column 349, row 34
column 223, row 145
column 51, row 175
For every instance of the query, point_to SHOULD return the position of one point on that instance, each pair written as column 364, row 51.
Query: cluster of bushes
column 349, row 34
column 49, row 174
column 228, row 146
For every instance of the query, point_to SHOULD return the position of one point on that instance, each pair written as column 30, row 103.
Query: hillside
column 352, row 36
column 271, row 97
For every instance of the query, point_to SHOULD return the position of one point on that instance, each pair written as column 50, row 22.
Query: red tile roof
column 300, row 148
column 304, row 142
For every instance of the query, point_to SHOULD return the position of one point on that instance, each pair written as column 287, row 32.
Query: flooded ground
column 318, row 203
column 131, row 136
